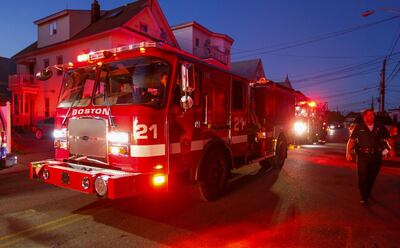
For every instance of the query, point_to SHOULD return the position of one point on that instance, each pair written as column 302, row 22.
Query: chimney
column 95, row 11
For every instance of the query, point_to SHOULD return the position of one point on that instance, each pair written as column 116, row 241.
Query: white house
column 204, row 43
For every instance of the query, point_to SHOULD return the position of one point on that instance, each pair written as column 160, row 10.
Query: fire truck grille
column 87, row 137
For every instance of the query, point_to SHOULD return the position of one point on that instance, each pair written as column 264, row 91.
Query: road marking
column 49, row 226
column 24, row 213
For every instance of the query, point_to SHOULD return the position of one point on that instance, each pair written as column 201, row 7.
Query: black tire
column 214, row 173
column 2, row 163
column 39, row 134
column 281, row 153
column 267, row 163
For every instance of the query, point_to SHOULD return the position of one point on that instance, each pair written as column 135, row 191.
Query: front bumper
column 120, row 184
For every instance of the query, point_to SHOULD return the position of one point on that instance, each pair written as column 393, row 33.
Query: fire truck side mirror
column 186, row 102
column 44, row 74
column 188, row 82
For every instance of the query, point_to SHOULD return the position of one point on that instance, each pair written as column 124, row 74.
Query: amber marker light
column 159, row 180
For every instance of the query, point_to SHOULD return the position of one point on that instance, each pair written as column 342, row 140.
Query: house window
column 47, row 107
column 53, row 28
column 46, row 63
column 207, row 43
column 143, row 28
column 31, row 69
column 197, row 42
column 60, row 61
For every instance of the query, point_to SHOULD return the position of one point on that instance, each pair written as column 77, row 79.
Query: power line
column 351, row 68
column 311, row 40
column 322, row 57
column 350, row 93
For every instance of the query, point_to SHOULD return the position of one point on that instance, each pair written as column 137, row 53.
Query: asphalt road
column 312, row 202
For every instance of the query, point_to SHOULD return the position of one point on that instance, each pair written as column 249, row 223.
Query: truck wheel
column 2, row 164
column 214, row 175
column 281, row 153
column 267, row 163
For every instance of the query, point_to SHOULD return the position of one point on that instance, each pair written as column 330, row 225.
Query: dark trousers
column 368, row 166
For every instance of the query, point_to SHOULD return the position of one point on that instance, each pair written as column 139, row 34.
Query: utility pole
column 337, row 113
column 372, row 103
column 382, row 86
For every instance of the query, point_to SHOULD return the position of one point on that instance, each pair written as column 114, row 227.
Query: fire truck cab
column 130, row 117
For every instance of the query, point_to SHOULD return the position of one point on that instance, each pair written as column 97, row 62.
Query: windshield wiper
column 72, row 103
column 108, row 105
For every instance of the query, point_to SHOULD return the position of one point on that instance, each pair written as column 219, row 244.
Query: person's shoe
column 364, row 202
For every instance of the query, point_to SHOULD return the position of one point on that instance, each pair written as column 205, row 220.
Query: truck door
column 239, row 137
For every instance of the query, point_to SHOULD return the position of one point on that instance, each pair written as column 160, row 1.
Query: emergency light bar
column 93, row 56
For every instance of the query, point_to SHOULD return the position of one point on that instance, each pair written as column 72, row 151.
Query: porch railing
column 22, row 80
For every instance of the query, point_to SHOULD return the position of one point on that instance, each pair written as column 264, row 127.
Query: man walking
column 370, row 142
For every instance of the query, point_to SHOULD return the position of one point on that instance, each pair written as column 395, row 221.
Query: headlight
column 300, row 128
column 100, row 185
column 119, row 150
column 118, row 137
column 60, row 133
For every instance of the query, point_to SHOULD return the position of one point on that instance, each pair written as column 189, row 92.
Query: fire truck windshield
column 137, row 81
column 77, row 87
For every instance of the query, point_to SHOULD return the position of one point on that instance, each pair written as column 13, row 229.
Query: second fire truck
column 129, row 118
column 310, row 125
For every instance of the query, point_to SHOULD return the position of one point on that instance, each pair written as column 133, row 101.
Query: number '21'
column 140, row 131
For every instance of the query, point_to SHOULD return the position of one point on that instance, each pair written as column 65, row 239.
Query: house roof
column 58, row 15
column 286, row 83
column 204, row 29
column 247, row 68
column 109, row 20
column 32, row 47
column 113, row 19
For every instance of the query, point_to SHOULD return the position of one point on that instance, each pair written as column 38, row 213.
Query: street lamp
column 372, row 11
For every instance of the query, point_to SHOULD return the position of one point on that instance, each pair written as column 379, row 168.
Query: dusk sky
column 271, row 30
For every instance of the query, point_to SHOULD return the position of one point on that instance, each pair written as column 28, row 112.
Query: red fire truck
column 310, row 124
column 129, row 118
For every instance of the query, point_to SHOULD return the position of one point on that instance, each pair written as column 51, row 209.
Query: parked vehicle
column 7, row 159
column 117, row 140
column 44, row 128
column 336, row 125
